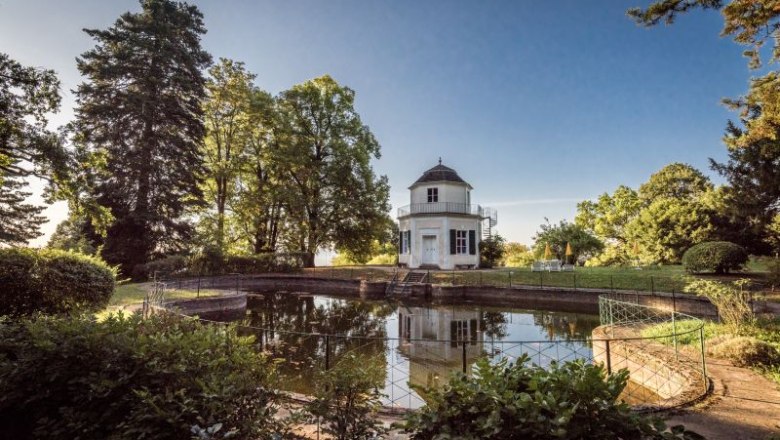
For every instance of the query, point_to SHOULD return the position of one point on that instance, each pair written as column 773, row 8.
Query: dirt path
column 743, row 406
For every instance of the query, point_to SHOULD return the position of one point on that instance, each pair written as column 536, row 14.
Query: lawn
column 132, row 294
column 670, row 278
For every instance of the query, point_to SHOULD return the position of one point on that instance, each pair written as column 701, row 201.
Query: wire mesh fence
column 662, row 350
column 653, row 281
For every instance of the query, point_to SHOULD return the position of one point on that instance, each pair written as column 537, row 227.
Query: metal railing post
column 652, row 285
column 703, row 360
column 611, row 284
column 327, row 352
column 464, row 356
column 541, row 282
column 510, row 278
column 575, row 281
column 198, row 295
column 609, row 359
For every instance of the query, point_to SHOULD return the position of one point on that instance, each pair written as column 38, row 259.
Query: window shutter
column 472, row 242
column 452, row 242
column 408, row 242
column 473, row 331
column 454, row 333
column 401, row 242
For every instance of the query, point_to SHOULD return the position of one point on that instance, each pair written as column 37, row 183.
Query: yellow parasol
column 547, row 252
column 569, row 252
column 636, row 248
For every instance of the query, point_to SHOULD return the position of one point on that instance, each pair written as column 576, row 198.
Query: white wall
column 439, row 226
column 448, row 192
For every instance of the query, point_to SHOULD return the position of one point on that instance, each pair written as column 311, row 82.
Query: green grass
column 130, row 294
column 767, row 330
column 669, row 278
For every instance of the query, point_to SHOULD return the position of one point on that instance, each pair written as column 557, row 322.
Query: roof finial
column 439, row 160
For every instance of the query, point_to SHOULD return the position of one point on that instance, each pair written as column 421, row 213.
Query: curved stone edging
column 678, row 380
column 221, row 306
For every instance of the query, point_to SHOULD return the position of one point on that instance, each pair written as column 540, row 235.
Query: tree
column 583, row 244
column 673, row 210
column 263, row 189
column 141, row 108
column 675, row 181
column 27, row 148
column 325, row 150
column 517, row 255
column 491, row 251
column 230, row 118
column 72, row 235
column 667, row 227
column 608, row 217
column 752, row 197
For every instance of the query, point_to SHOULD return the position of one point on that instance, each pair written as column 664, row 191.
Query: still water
column 418, row 344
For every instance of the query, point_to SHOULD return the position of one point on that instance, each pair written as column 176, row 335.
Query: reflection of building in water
column 559, row 327
column 433, row 341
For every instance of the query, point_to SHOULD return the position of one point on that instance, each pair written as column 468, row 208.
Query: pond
column 406, row 343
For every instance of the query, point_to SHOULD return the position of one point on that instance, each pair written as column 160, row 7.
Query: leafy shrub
column 52, row 281
column 715, row 256
column 128, row 378
column 731, row 300
column 211, row 261
column 169, row 266
column 491, row 251
column 745, row 351
column 774, row 272
column 573, row 400
column 347, row 400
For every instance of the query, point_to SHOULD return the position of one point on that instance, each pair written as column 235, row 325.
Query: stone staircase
column 404, row 286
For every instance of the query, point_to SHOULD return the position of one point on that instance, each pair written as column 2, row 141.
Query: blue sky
column 537, row 104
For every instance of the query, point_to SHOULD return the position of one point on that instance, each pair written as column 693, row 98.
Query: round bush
column 52, row 281
column 714, row 256
column 746, row 351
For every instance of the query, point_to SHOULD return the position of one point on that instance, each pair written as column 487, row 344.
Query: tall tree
column 141, row 108
column 326, row 151
column 753, row 194
column 229, row 124
column 27, row 148
column 676, row 181
column 263, row 189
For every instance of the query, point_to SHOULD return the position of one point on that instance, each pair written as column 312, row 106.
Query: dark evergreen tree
column 141, row 108
column 753, row 194
column 27, row 148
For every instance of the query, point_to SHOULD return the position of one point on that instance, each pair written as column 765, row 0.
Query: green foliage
column 491, row 251
column 336, row 200
column 573, row 400
column 347, row 401
column 70, row 235
column 666, row 227
column 139, row 109
column 129, row 378
column 165, row 267
column 715, row 256
column 673, row 210
column 52, row 281
column 27, row 94
column 517, row 255
column 746, row 351
column 774, row 272
column 583, row 243
column 731, row 300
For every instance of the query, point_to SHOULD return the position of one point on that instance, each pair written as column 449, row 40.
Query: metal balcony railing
column 441, row 208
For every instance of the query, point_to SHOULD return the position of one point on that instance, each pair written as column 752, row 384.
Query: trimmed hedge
column 52, row 281
column 715, row 256
column 212, row 262
column 128, row 378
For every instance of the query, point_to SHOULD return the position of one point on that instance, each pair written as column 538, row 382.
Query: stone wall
column 676, row 378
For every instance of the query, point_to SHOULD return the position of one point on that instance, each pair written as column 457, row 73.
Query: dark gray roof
column 440, row 173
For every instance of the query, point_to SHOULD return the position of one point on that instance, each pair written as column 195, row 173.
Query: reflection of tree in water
column 565, row 326
column 289, row 320
column 495, row 325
